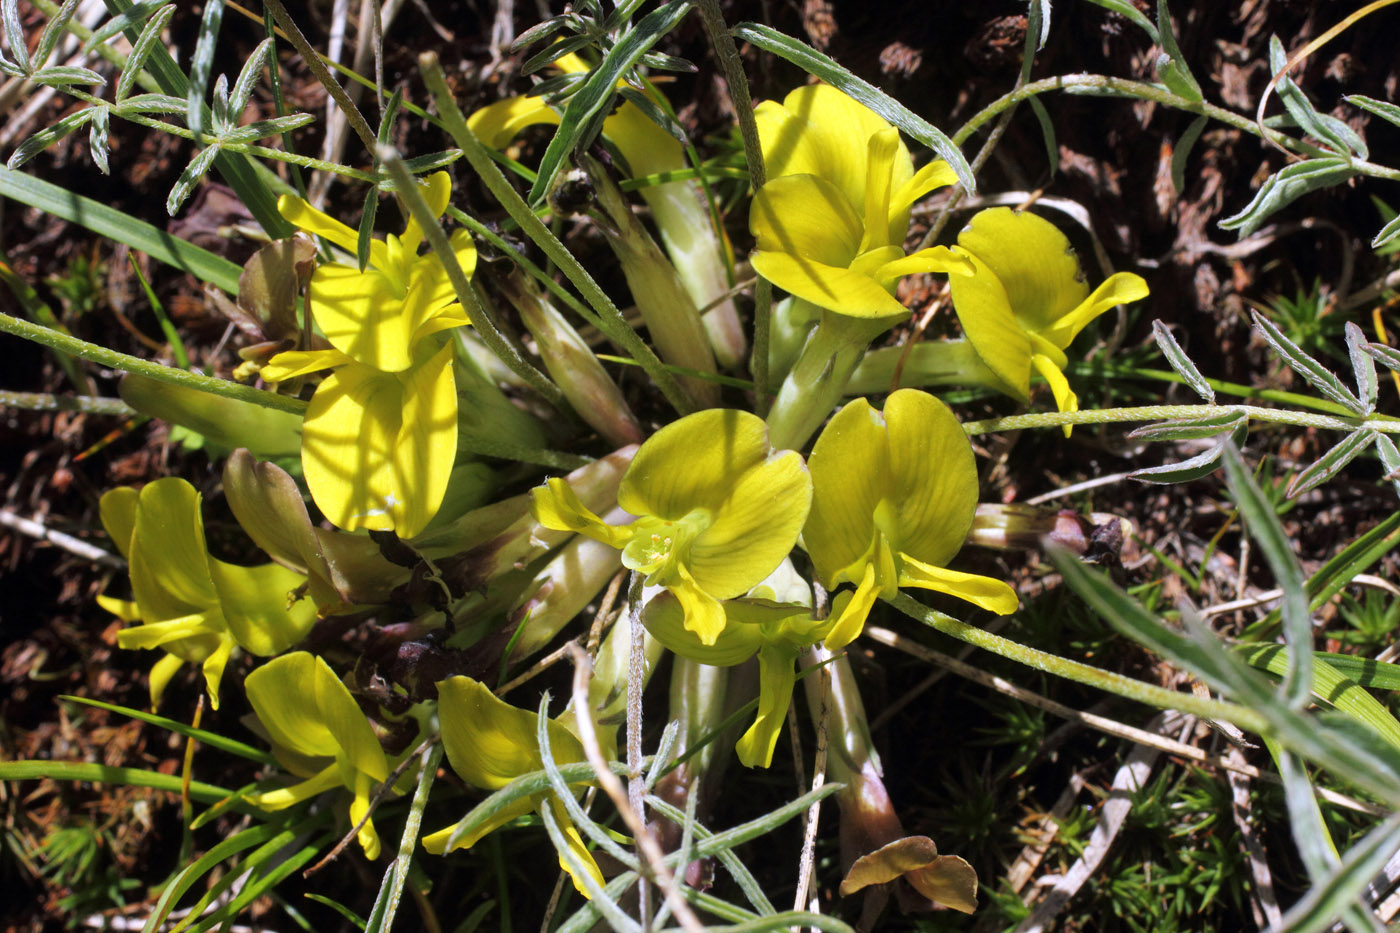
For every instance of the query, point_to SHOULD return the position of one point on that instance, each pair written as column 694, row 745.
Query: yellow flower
column 777, row 632
column 380, row 435
column 490, row 743
column 1027, row 299
column 194, row 607
column 893, row 497
column 318, row 733
column 717, row 509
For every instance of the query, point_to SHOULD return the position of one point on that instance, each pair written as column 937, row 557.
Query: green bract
column 193, row 606
column 1027, row 298
column 893, row 496
column 380, row 434
column 717, row 509
column 777, row 632
column 491, row 743
column 319, row 733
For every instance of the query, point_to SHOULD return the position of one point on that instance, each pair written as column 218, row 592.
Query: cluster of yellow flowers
column 718, row 500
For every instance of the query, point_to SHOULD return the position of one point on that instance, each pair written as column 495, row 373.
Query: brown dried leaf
column 943, row 879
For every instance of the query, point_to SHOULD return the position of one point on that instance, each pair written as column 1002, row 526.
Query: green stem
column 1142, row 91
column 131, row 364
column 87, row 404
column 616, row 327
column 1053, row 419
column 722, row 41
column 818, row 379
column 1126, row 687
column 313, row 61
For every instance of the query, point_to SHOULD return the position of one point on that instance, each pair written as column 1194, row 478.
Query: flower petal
column 118, row 511
column 258, row 609
column 703, row 613
column 934, row 476
column 844, row 291
column 213, row 669
column 426, row 445
column 755, row 528
column 161, row 672
column 1065, row 399
column 1033, row 260
column 556, row 505
column 807, row 217
column 348, row 439
column 295, row 363
column 436, row 190
column 776, row 678
column 578, row 849
column 497, row 124
column 851, row 609
column 491, row 743
column 984, row 592
column 664, row 618
column 169, row 560
column 850, row 468
column 985, row 312
column 1118, row 289
column 693, row 463
column 361, row 314
column 936, row 174
column 825, row 132
column 648, row 148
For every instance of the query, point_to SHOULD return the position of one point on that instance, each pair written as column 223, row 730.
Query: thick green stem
column 318, row 68
column 86, row 404
column 1053, row 419
column 818, row 380
column 1126, row 687
column 131, row 364
column 615, row 326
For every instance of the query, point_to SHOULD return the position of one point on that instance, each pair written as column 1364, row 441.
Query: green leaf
column 1131, row 13
column 201, row 64
column 1180, row 362
column 247, row 79
column 1332, row 686
column 1190, row 429
column 123, row 228
column 1345, row 886
column 212, row 739
column 62, row 76
column 1047, row 133
column 1263, row 527
column 149, row 103
column 98, row 133
column 49, row 38
column 1332, row 462
column 116, row 24
column 47, row 137
column 14, row 34
column 132, row 777
column 1202, row 464
column 826, row 68
column 1310, row 369
column 1363, row 367
column 1383, row 109
column 1328, row 130
column 1387, row 233
column 142, row 48
column 1287, row 185
column 593, row 98
column 1390, row 458
column 245, row 839
column 1171, row 66
column 1182, row 152
column 193, row 172
column 1367, row 672
column 264, row 128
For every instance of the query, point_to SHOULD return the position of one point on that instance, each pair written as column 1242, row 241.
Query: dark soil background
column 943, row 60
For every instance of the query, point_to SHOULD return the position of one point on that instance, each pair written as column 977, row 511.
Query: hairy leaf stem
column 1117, row 684
column 1053, row 419
column 131, row 364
